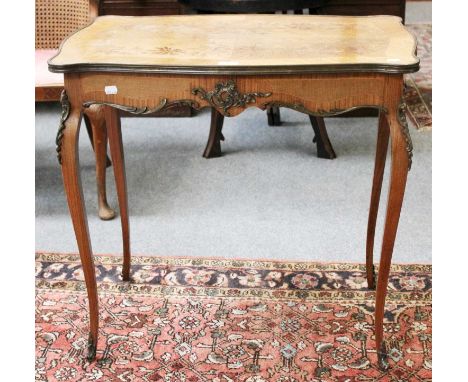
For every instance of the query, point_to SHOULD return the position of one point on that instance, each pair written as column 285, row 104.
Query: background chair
column 213, row 146
column 55, row 20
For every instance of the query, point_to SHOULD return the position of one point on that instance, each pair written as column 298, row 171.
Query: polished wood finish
column 147, row 8
column 383, row 135
column 74, row 192
column 47, row 93
column 49, row 89
column 116, row 147
column 398, row 175
column 324, row 146
column 298, row 43
column 213, row 145
column 325, row 7
column 273, row 113
column 95, row 123
column 318, row 94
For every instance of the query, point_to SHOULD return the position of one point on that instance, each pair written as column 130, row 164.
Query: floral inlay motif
column 167, row 50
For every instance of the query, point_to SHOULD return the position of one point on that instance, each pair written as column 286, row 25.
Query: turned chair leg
column 89, row 130
column 96, row 126
column 324, row 146
column 213, row 146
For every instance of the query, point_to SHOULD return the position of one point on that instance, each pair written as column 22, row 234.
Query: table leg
column 94, row 117
column 213, row 146
column 112, row 117
column 383, row 134
column 67, row 148
column 401, row 156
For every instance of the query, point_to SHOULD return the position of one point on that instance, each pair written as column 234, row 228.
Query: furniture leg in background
column 324, row 146
column 95, row 123
column 213, row 145
column 274, row 116
column 55, row 20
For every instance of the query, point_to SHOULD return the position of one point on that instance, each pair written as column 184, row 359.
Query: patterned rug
column 418, row 92
column 190, row 320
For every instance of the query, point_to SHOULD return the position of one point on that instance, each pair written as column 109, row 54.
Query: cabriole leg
column 383, row 134
column 401, row 161
column 112, row 117
column 67, row 152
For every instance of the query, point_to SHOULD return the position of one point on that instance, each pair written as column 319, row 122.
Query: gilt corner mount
column 64, row 101
column 404, row 129
column 163, row 105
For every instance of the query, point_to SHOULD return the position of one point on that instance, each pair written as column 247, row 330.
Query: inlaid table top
column 240, row 44
column 319, row 65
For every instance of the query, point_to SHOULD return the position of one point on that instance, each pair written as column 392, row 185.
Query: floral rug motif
column 196, row 320
column 418, row 92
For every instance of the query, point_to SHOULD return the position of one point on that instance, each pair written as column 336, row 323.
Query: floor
column 268, row 197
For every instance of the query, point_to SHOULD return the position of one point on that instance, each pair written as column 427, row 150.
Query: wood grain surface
column 231, row 43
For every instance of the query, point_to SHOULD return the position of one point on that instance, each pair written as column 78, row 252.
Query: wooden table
column 319, row 65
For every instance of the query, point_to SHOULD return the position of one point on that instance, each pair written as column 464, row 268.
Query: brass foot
column 383, row 358
column 91, row 349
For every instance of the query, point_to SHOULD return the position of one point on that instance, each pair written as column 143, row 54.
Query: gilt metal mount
column 164, row 104
column 65, row 113
column 404, row 129
column 226, row 96
column 319, row 112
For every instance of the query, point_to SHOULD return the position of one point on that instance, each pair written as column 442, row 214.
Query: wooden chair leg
column 67, row 145
column 89, row 130
column 379, row 168
column 114, row 130
column 95, row 121
column 213, row 146
column 274, row 116
column 324, row 146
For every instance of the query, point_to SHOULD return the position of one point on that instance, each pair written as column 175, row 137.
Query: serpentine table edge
column 321, row 93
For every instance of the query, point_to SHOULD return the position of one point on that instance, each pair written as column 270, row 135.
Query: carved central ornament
column 226, row 96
